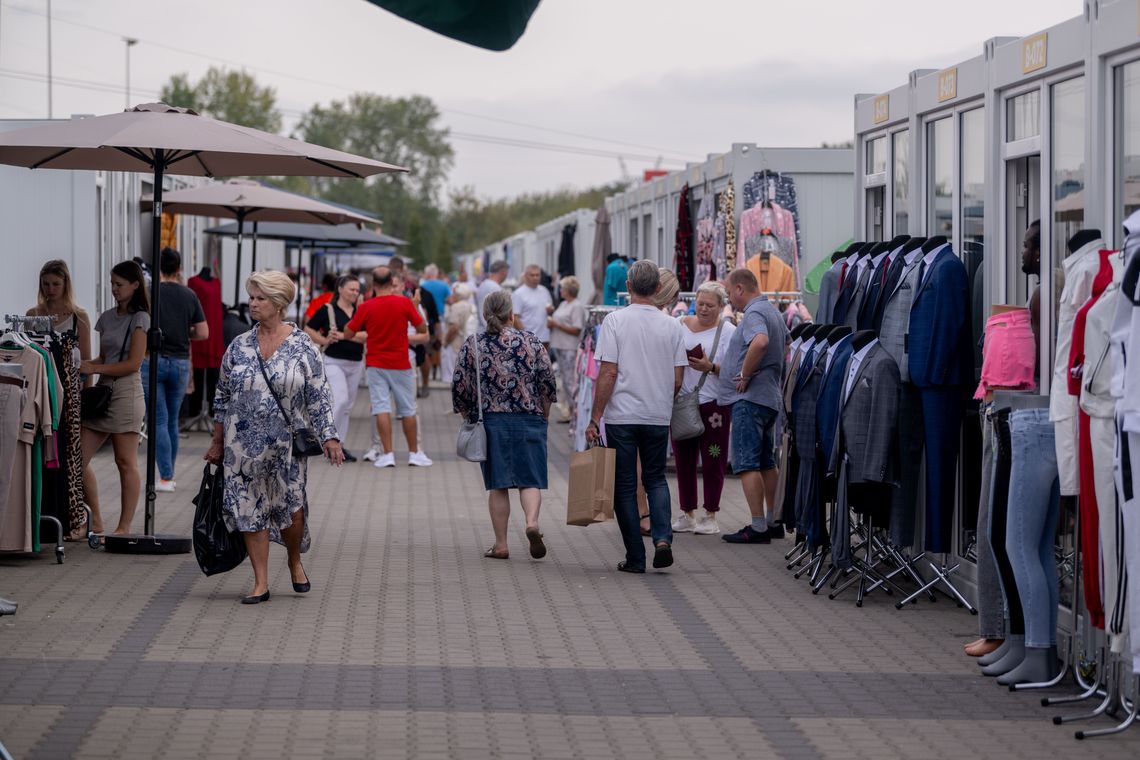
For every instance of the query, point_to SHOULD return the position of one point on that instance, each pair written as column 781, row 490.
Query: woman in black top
column 344, row 359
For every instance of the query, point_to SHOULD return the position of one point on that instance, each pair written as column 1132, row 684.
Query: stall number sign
column 947, row 85
column 1034, row 53
column 882, row 108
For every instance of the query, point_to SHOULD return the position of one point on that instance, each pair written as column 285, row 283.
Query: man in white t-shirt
column 642, row 356
column 533, row 305
column 496, row 273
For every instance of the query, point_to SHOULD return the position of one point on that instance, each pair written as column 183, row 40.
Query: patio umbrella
column 160, row 139
column 603, row 247
column 329, row 236
column 246, row 200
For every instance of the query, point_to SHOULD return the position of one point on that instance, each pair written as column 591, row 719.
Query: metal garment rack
column 40, row 330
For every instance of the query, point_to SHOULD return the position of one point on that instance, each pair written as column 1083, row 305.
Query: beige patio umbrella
column 249, row 201
column 160, row 139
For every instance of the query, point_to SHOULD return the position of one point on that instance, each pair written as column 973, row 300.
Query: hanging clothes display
column 724, row 233
column 683, row 242
column 770, row 203
column 207, row 354
column 705, row 259
column 63, row 478
column 566, row 256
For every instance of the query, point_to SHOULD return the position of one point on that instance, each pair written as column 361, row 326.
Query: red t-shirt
column 317, row 304
column 386, row 320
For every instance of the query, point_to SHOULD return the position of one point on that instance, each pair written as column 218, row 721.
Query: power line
column 679, row 155
column 508, row 142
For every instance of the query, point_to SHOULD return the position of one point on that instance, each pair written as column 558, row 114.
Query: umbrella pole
column 253, row 256
column 237, row 264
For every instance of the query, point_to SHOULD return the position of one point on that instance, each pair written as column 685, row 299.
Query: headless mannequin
column 1081, row 239
column 880, row 248
column 822, row 333
column 897, row 241
column 853, row 248
column 933, row 242
column 838, row 256
column 860, row 340
column 206, row 273
column 809, row 330
column 798, row 330
column 866, row 249
column 913, row 245
column 838, row 333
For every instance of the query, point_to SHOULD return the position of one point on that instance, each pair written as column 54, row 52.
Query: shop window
column 1127, row 141
column 876, row 156
column 901, row 157
column 972, row 154
column 1068, row 153
column 1023, row 116
column 940, row 171
column 633, row 242
column 647, row 228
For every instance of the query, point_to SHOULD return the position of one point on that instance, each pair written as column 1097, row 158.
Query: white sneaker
column 419, row 459
column 684, row 523
column 164, row 486
column 372, row 454
column 385, row 460
column 707, row 525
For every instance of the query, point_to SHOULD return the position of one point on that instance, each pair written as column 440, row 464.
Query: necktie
column 921, row 270
column 842, row 275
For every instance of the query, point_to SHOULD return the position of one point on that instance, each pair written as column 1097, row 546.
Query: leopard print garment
column 73, row 457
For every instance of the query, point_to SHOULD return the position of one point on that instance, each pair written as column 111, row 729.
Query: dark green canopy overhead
column 490, row 24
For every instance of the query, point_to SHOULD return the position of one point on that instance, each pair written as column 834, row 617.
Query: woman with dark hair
column 344, row 359
column 122, row 347
column 510, row 371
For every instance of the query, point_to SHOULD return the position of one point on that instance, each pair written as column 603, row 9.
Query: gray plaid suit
column 896, row 317
column 862, row 285
column 870, row 420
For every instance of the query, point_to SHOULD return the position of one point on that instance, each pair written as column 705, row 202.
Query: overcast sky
column 643, row 78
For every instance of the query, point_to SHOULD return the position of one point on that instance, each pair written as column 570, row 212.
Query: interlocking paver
column 413, row 645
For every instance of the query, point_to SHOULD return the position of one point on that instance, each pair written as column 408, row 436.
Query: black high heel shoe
column 256, row 598
column 303, row 588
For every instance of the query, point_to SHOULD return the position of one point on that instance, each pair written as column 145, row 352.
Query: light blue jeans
column 1034, row 509
column 173, row 376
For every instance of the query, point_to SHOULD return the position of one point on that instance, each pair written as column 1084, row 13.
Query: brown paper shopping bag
column 590, row 497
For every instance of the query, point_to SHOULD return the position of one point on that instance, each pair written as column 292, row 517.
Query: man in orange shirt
column 391, row 378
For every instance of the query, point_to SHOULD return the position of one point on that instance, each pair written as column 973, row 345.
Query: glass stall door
column 1023, row 207
column 876, row 198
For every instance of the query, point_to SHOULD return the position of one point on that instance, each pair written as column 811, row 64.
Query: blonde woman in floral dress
column 264, row 494
column 711, row 448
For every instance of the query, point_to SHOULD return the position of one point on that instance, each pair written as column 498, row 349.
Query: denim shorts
column 392, row 387
column 753, row 437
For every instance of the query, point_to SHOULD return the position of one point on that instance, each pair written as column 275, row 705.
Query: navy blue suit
column 940, row 363
column 874, row 294
column 846, row 293
column 828, row 405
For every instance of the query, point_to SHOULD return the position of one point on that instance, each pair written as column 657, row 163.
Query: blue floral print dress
column 265, row 483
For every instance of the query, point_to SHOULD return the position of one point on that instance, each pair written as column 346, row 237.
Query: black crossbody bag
column 305, row 441
column 96, row 400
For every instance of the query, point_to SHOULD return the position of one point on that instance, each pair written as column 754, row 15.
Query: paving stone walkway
column 412, row 645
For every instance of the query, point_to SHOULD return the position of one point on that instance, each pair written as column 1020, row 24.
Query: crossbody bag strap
column 712, row 358
column 126, row 339
column 261, row 362
column 478, row 382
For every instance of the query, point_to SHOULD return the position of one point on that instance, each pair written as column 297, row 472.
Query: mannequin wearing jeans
column 1034, row 508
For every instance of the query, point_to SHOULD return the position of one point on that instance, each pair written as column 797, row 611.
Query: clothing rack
column 783, row 297
column 27, row 324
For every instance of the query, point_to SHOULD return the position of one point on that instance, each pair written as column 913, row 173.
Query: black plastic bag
column 217, row 549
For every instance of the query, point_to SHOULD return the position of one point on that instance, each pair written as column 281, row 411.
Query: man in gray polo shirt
column 752, row 373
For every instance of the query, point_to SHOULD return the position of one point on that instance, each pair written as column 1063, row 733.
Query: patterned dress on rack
column 683, row 242
column 724, row 249
column 264, row 482
column 73, row 457
column 706, row 241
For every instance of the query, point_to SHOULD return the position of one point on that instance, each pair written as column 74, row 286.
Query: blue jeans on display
column 1034, row 508
column 173, row 377
column 652, row 443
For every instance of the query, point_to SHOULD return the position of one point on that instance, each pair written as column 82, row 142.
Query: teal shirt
column 615, row 282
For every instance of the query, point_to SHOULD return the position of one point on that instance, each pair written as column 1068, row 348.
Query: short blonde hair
column 278, row 287
column 669, row 290
column 714, row 287
column 570, row 284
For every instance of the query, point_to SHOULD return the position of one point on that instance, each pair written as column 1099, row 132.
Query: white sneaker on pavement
column 372, row 454
column 707, row 525
column 164, row 486
column 684, row 523
column 419, row 459
column 385, row 460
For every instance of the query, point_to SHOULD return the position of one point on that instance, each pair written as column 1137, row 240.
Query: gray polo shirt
column 760, row 318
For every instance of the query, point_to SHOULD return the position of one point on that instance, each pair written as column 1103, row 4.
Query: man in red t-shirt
column 391, row 378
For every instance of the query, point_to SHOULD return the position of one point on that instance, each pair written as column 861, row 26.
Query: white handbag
column 686, row 421
column 472, row 441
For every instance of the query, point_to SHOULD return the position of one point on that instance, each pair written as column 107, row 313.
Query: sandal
column 537, row 547
column 492, row 554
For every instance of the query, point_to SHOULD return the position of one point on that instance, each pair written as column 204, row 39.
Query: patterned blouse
column 265, row 483
column 515, row 372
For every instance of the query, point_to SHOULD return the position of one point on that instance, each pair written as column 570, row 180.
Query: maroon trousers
column 711, row 450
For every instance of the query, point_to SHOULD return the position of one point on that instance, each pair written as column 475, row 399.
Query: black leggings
column 999, row 512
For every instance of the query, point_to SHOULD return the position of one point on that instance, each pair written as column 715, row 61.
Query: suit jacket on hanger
column 827, row 407
column 863, row 281
column 894, row 273
column 896, row 316
column 873, row 296
column 828, row 293
column 938, row 346
column 870, row 420
column 804, row 402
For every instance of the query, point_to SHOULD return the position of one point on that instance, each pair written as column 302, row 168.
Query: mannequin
column 809, row 329
column 860, row 339
column 898, row 241
column 933, row 243
column 895, row 266
column 798, row 330
column 879, row 265
column 913, row 245
column 206, row 273
column 822, row 333
column 837, row 333
column 1081, row 239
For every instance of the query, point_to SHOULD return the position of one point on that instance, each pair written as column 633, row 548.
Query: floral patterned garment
column 724, row 250
column 515, row 371
column 265, row 483
column 706, row 241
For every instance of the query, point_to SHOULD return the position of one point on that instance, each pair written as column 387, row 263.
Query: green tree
column 232, row 96
column 402, row 131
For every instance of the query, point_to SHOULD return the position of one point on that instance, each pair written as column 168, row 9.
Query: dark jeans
column 651, row 442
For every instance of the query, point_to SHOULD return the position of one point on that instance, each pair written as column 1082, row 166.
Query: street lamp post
column 130, row 43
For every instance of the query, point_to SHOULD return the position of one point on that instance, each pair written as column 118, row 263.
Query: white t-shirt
column 647, row 346
column 530, row 304
column 705, row 339
column 486, row 288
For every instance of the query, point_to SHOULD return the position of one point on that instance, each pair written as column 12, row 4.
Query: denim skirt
column 516, row 451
